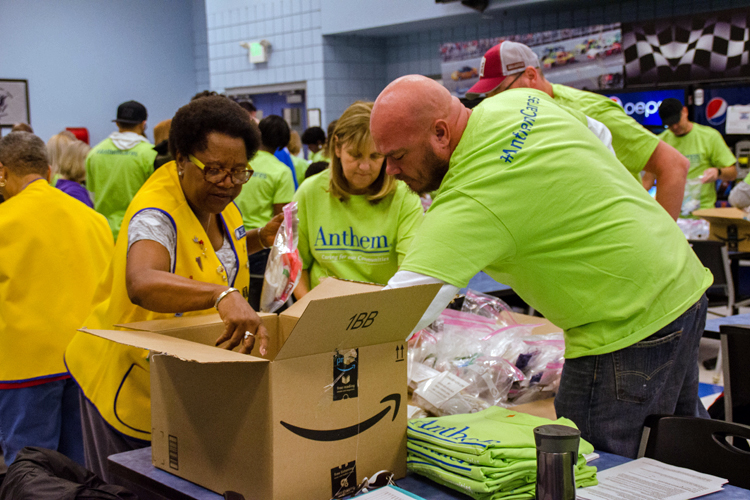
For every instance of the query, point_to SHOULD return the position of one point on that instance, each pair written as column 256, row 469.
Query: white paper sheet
column 738, row 120
column 647, row 479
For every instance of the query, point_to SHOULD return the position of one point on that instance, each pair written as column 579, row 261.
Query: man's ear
column 441, row 133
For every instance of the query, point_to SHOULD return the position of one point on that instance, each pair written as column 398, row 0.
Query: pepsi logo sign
column 639, row 108
column 716, row 111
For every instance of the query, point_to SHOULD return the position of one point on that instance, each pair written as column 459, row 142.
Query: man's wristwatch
column 719, row 174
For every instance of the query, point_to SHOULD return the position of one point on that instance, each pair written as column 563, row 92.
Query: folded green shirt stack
column 488, row 455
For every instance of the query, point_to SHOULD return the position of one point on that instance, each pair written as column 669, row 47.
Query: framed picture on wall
column 14, row 102
column 313, row 117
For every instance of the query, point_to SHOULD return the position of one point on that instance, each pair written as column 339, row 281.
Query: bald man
column 510, row 65
column 526, row 193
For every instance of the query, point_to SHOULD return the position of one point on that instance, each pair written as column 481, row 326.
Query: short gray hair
column 24, row 153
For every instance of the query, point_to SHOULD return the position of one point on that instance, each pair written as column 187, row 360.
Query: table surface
column 712, row 325
column 135, row 467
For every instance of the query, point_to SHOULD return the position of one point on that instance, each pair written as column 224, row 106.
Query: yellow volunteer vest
column 53, row 252
column 115, row 377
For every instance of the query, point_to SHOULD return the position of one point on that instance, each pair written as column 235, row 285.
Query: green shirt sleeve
column 721, row 155
column 410, row 218
column 458, row 238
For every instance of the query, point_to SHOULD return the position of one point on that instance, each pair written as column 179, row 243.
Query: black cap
column 555, row 438
column 670, row 111
column 131, row 112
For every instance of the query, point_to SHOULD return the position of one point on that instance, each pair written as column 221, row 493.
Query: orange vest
column 115, row 377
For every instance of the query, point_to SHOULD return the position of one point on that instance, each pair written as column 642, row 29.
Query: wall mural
column 586, row 58
column 689, row 48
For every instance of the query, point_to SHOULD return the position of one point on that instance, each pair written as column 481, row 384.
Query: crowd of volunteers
column 540, row 186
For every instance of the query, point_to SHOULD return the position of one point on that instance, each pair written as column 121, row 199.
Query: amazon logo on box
column 326, row 401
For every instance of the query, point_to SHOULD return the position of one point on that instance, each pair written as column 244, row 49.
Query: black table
column 133, row 470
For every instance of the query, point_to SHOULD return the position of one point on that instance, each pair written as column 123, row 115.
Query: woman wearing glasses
column 186, row 253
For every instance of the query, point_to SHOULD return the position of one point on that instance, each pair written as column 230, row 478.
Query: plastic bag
column 284, row 265
column 692, row 199
column 489, row 307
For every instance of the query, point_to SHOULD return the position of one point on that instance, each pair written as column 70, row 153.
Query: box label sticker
column 344, row 480
column 441, row 388
column 345, row 375
column 173, row 456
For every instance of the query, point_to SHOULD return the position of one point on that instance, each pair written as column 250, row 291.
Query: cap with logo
column 670, row 111
column 502, row 60
column 131, row 112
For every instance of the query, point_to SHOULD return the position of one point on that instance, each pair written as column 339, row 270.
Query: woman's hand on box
column 242, row 325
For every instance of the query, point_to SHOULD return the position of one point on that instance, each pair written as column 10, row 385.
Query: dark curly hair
column 274, row 132
column 313, row 135
column 193, row 122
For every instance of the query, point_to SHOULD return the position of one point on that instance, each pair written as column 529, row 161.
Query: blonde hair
column 72, row 162
column 161, row 131
column 353, row 130
column 55, row 147
column 295, row 143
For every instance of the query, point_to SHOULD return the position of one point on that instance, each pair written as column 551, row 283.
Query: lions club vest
column 115, row 377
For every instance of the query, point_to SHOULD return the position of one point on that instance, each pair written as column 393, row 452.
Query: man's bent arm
column 402, row 279
column 670, row 168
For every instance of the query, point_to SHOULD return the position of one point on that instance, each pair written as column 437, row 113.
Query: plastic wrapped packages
column 468, row 361
column 692, row 199
column 488, row 306
column 694, row 229
column 284, row 266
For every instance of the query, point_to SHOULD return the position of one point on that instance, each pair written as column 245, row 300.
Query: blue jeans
column 609, row 396
column 46, row 415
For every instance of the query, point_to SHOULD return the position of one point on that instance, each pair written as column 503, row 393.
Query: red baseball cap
column 504, row 59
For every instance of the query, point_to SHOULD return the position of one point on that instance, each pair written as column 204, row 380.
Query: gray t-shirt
column 156, row 226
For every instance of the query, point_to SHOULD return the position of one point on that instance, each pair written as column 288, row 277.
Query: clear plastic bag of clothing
column 284, row 266
column 692, row 199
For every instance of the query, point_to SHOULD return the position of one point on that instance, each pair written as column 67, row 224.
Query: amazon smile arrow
column 347, row 432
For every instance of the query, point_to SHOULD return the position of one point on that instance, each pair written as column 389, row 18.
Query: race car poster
column 688, row 48
column 587, row 58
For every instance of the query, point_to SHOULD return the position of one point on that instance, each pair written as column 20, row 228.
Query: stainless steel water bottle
column 556, row 458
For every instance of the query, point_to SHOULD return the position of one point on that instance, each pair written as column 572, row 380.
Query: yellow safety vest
column 53, row 252
column 115, row 377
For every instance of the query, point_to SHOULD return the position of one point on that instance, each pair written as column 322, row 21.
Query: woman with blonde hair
column 72, row 171
column 55, row 146
column 355, row 222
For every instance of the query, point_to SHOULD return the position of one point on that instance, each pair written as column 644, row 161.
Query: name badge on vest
column 240, row 232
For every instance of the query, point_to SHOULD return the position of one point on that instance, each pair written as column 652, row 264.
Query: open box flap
column 358, row 320
column 166, row 325
column 734, row 215
column 178, row 348
column 329, row 287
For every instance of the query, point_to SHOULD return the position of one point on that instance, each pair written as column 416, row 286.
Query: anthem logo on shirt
column 348, row 241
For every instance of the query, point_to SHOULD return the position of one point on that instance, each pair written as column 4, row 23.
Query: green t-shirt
column 300, row 167
column 354, row 240
column 115, row 176
column 705, row 148
column 632, row 143
column 543, row 207
column 319, row 156
column 269, row 185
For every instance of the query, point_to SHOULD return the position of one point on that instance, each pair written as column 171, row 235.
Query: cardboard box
column 326, row 409
column 729, row 225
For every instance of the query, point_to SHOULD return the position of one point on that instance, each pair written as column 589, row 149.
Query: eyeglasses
column 217, row 175
column 511, row 83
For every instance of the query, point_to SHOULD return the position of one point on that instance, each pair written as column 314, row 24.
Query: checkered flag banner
column 690, row 48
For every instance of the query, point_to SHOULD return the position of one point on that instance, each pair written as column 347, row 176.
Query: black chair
column 700, row 444
column 735, row 344
column 714, row 255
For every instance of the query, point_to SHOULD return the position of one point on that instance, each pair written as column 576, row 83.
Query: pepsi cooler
column 713, row 111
